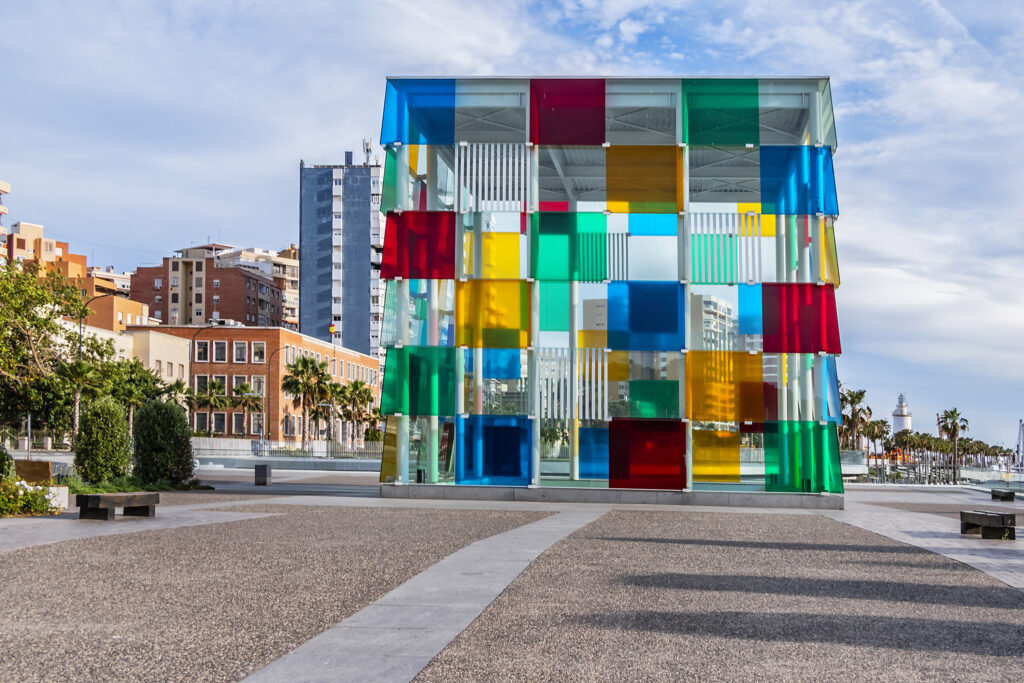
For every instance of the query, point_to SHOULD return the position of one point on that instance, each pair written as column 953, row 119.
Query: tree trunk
column 75, row 416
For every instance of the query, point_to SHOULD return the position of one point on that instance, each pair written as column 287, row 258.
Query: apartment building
column 340, row 239
column 5, row 188
column 258, row 356
column 193, row 288
column 112, row 281
column 280, row 266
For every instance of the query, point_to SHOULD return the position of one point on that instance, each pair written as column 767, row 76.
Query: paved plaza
column 249, row 583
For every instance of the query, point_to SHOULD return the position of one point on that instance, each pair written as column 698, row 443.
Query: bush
column 18, row 498
column 6, row 465
column 163, row 443
column 101, row 449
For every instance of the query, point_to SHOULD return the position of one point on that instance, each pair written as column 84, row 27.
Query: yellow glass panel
column 499, row 255
column 492, row 314
column 724, row 386
column 829, row 262
column 618, row 366
column 593, row 339
column 767, row 221
column 414, row 159
column 644, row 179
column 716, row 456
column 389, row 455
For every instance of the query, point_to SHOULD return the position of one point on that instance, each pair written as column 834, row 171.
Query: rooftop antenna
column 366, row 151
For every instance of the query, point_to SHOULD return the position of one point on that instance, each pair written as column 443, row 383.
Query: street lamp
column 81, row 318
column 266, row 390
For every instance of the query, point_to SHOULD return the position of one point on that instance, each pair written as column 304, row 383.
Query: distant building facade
column 192, row 288
column 280, row 266
column 340, row 242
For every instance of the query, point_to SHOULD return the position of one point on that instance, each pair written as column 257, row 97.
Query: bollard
column 262, row 475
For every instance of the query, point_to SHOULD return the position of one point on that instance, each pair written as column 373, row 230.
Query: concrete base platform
column 552, row 494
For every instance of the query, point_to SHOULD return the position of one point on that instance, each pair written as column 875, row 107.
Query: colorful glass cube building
column 620, row 282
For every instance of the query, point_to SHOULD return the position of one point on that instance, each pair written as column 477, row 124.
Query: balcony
column 375, row 257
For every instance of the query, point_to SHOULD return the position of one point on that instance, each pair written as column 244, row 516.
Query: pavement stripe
column 396, row 637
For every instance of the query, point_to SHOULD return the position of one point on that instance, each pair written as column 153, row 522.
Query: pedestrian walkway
column 396, row 637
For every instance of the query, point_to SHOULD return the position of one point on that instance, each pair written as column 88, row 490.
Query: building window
column 199, row 313
column 202, row 383
column 241, row 352
column 120, row 316
column 216, row 283
column 287, row 353
column 258, row 384
column 174, row 298
column 170, row 368
column 158, row 314
column 216, row 299
column 222, row 384
column 199, row 297
column 220, row 352
column 237, row 380
column 219, row 420
column 333, row 366
column 199, row 281
column 174, row 282
column 202, row 351
column 256, row 423
column 157, row 298
column 199, row 266
column 158, row 283
column 238, row 424
column 259, row 352
column 159, row 367
column 174, row 266
column 201, row 419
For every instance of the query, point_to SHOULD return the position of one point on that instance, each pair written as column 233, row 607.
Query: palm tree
column 132, row 397
column 305, row 381
column 952, row 424
column 215, row 398
column 244, row 398
column 83, row 378
column 856, row 415
column 357, row 399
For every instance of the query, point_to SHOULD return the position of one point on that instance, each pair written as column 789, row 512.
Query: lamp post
column 81, row 318
column 266, row 390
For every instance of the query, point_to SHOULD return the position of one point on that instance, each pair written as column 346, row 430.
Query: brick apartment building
column 192, row 289
column 258, row 355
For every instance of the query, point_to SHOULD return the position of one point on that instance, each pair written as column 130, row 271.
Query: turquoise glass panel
column 663, row 224
column 750, row 309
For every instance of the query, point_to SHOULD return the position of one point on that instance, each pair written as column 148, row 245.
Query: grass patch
column 127, row 484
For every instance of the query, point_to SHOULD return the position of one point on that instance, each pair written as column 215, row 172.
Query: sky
column 134, row 128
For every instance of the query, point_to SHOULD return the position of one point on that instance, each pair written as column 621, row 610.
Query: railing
column 205, row 447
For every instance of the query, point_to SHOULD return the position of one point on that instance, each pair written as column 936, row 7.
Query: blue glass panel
column 833, row 411
column 498, row 363
column 494, row 450
column 652, row 224
column 646, row 316
column 593, row 443
column 419, row 112
column 798, row 180
column 751, row 321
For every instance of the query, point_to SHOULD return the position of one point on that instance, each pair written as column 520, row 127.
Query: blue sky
column 131, row 129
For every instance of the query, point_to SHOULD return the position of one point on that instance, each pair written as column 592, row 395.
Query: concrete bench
column 999, row 525
column 1002, row 494
column 101, row 505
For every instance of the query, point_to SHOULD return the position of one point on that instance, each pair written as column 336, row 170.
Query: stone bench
column 101, row 505
column 1002, row 494
column 1000, row 525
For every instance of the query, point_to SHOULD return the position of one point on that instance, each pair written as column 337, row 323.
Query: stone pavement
column 396, row 637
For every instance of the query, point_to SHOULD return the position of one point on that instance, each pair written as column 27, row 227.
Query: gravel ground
column 704, row 596
column 200, row 497
column 214, row 602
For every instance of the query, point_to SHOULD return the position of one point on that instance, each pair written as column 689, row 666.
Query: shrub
column 163, row 443
column 18, row 498
column 6, row 465
column 101, row 449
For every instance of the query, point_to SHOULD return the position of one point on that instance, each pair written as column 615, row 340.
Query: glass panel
column 724, row 175
column 419, row 178
column 503, row 387
column 418, row 380
column 492, row 313
column 832, row 410
column 593, row 460
column 786, row 111
column 654, row 224
column 491, row 110
column 569, row 246
column 646, row 316
column 567, row 111
column 654, row 398
column 802, row 457
column 554, row 306
column 419, row 319
column 571, row 177
column 389, row 188
column 499, row 255
column 716, row 455
column 389, row 454
column 653, row 258
column 714, row 325
column 829, row 271
column 721, row 111
column 419, row 244
column 798, row 181
column 750, row 315
column 493, row 450
column 800, row 318
column 419, row 112
column 644, row 179
column 641, row 111
column 724, row 386
column 646, row 454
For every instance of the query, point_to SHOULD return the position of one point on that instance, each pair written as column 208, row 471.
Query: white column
column 683, row 230
column 402, row 310
column 432, row 338
column 781, row 269
column 574, row 381
column 404, row 179
column 533, row 382
column 432, row 201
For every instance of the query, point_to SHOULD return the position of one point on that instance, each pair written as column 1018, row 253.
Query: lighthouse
column 901, row 416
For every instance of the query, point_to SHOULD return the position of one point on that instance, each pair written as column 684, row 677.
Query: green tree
column 214, row 399
column 243, row 397
column 356, row 400
column 83, row 378
column 163, row 443
column 306, row 381
column 856, row 415
column 131, row 384
column 101, row 449
column 952, row 424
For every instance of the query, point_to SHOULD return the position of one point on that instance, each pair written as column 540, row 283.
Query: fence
column 214, row 446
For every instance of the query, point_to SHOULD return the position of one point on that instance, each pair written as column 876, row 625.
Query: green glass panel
column 388, row 193
column 554, row 306
column 802, row 457
column 654, row 398
column 721, row 111
column 419, row 380
column 569, row 246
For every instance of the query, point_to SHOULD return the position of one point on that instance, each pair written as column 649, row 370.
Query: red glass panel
column 646, row 454
column 800, row 318
column 567, row 111
column 419, row 245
